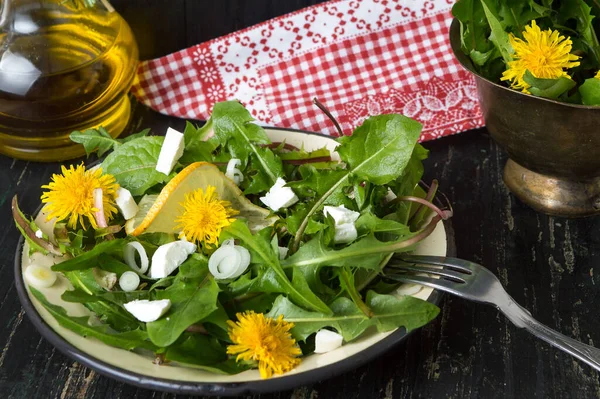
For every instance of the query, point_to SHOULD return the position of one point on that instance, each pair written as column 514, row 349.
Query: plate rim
column 285, row 382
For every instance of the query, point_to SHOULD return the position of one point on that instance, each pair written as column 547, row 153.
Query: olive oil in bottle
column 63, row 67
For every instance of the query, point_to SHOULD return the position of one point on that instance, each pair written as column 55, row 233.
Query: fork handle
column 521, row 318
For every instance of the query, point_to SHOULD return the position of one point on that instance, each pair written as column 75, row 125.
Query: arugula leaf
column 322, row 153
column 408, row 182
column 379, row 149
column 316, row 183
column 480, row 58
column 365, row 253
column 110, row 264
column 516, row 14
column 198, row 145
column 95, row 140
column 368, row 223
column 125, row 340
column 473, row 24
column 274, row 278
column 231, row 123
column 590, row 92
column 133, row 164
column 27, row 228
column 117, row 297
column 347, row 283
column 156, row 239
column 548, row 88
column 134, row 136
column 205, row 353
column 87, row 260
column 193, row 296
column 582, row 14
column 377, row 152
column 498, row 36
column 113, row 314
column 389, row 313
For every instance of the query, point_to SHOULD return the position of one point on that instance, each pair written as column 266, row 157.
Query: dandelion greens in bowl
column 219, row 249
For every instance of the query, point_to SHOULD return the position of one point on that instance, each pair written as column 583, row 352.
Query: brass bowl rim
column 468, row 65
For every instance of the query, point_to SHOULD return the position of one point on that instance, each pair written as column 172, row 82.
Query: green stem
column 253, row 147
column 276, row 267
column 347, row 282
column 373, row 273
column 315, row 208
column 391, row 248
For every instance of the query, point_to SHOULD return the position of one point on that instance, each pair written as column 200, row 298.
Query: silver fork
column 472, row 281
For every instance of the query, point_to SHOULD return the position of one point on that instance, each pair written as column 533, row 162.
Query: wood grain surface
column 549, row 265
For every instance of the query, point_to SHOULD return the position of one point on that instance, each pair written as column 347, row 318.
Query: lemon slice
column 158, row 213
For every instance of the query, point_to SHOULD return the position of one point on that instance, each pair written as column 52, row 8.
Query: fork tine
column 453, row 263
column 451, row 274
column 439, row 284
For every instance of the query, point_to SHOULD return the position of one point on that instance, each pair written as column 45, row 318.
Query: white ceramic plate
column 139, row 370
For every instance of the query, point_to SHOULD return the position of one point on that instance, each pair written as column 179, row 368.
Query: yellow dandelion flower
column 597, row 76
column 204, row 216
column 546, row 54
column 71, row 195
column 264, row 340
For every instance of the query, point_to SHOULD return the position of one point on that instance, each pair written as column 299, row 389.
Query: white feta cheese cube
column 341, row 214
column 279, row 196
column 148, row 311
column 345, row 233
column 126, row 203
column 170, row 152
column 326, row 341
column 169, row 257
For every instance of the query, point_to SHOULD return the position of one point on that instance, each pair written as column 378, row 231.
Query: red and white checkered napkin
column 358, row 57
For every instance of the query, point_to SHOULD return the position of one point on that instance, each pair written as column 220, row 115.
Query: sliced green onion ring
column 129, row 254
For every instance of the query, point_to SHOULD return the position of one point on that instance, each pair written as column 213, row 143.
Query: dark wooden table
column 549, row 265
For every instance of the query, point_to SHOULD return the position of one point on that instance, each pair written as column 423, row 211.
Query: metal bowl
column 554, row 165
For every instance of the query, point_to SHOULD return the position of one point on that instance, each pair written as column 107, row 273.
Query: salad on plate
column 218, row 249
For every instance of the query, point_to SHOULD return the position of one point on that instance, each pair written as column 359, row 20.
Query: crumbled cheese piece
column 169, row 257
column 148, row 311
column 344, row 219
column 345, row 233
column 279, row 196
column 326, row 341
column 340, row 214
column 126, row 203
column 170, row 152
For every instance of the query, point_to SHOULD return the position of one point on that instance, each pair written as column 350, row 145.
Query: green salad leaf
column 590, row 91
column 206, row 353
column 193, row 296
column 133, row 164
column 128, row 340
column 86, row 284
column 389, row 313
column 95, row 140
column 377, row 152
column 198, row 144
column 366, row 253
column 87, row 260
column 232, row 126
column 548, row 88
column 274, row 278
